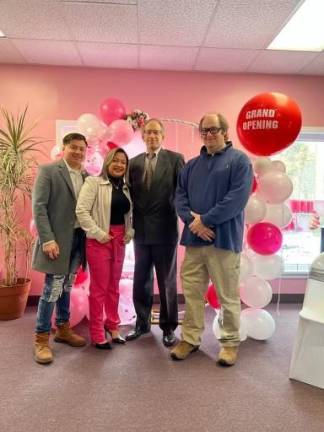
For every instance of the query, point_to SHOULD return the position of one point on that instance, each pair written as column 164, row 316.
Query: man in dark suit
column 153, row 178
column 59, row 249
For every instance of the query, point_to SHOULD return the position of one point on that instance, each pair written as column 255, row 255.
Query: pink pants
column 105, row 266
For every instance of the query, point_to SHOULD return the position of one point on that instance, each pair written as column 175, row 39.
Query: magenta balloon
column 112, row 109
column 264, row 238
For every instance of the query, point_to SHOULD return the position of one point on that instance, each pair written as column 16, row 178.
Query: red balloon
column 81, row 276
column 111, row 145
column 264, row 238
column 112, row 109
column 268, row 123
column 212, row 298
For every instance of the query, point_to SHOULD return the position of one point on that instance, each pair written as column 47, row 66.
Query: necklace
column 115, row 183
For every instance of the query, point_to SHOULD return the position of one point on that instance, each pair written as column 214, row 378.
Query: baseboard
column 284, row 298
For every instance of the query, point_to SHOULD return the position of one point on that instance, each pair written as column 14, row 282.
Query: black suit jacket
column 154, row 215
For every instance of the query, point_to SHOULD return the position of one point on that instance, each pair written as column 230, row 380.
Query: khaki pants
column 222, row 267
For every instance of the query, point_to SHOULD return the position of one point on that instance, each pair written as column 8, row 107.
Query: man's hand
column 51, row 250
column 199, row 229
column 314, row 223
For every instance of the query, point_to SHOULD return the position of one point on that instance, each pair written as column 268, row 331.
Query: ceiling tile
column 248, row 24
column 33, row 19
column 167, row 58
column 108, row 55
column 169, row 22
column 134, row 2
column 48, row 52
column 271, row 61
column 224, row 60
column 108, row 23
column 8, row 53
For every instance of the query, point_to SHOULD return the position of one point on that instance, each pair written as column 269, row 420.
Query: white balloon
column 274, row 187
column 56, row 152
column 268, row 266
column 278, row 165
column 262, row 165
column 278, row 214
column 260, row 324
column 216, row 329
column 256, row 292
column 246, row 267
column 255, row 210
column 89, row 125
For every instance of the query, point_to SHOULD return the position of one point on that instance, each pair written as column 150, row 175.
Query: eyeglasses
column 212, row 130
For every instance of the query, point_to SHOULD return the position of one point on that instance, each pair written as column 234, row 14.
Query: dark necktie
column 149, row 170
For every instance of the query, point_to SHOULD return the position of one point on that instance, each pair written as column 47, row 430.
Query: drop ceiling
column 180, row 35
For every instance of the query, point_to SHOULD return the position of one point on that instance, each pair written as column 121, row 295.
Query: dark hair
column 222, row 121
column 157, row 121
column 74, row 136
column 109, row 158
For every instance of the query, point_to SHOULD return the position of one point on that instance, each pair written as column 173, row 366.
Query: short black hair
column 74, row 136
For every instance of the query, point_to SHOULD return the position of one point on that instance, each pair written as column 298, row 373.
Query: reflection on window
column 304, row 162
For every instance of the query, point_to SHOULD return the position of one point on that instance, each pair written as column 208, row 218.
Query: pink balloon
column 93, row 163
column 122, row 132
column 264, row 238
column 79, row 306
column 112, row 109
column 82, row 276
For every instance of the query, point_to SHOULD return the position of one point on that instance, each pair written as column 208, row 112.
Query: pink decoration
column 79, row 307
column 211, row 297
column 112, row 109
column 81, row 277
column 264, row 238
column 122, row 132
column 93, row 164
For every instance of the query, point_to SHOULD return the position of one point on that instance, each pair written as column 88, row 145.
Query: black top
column 120, row 204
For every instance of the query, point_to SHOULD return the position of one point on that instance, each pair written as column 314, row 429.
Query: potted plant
column 17, row 167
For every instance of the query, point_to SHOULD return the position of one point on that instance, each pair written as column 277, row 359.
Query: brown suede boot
column 65, row 334
column 42, row 351
column 228, row 356
column 182, row 350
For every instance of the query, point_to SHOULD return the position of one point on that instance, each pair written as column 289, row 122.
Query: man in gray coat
column 59, row 248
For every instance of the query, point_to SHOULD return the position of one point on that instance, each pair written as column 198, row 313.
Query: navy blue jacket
column 217, row 187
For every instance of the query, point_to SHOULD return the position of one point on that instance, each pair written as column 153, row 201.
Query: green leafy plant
column 17, row 169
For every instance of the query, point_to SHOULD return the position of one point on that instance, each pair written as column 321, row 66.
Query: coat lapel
column 66, row 175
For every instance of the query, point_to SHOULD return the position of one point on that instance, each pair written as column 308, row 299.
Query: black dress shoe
column 103, row 346
column 136, row 333
column 168, row 338
column 118, row 339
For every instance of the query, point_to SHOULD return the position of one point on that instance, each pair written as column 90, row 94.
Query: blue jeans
column 56, row 291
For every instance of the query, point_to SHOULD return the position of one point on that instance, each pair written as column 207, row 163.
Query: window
column 304, row 162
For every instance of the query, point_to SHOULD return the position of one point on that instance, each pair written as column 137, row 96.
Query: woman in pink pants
column 104, row 211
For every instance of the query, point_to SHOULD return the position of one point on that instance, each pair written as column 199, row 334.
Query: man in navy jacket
column 212, row 192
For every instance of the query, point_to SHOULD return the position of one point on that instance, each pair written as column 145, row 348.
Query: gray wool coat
column 54, row 204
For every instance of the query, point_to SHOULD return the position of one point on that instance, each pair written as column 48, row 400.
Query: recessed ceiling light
column 304, row 31
column 2, row 34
